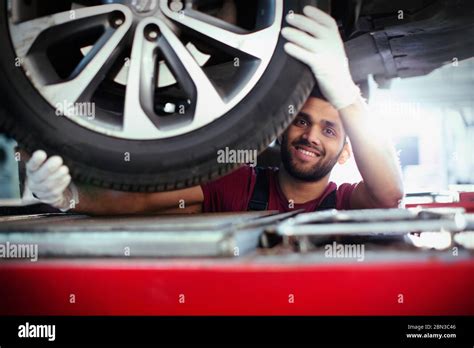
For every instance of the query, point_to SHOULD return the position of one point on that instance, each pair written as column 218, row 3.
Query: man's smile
column 305, row 153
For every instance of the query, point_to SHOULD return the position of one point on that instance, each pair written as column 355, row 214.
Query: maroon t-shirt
column 234, row 191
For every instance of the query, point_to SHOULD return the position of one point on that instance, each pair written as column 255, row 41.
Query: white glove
column 48, row 181
column 319, row 45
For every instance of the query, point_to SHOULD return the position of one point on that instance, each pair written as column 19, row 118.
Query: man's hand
column 317, row 43
column 48, row 181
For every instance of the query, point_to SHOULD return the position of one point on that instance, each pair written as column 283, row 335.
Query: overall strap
column 259, row 199
column 329, row 202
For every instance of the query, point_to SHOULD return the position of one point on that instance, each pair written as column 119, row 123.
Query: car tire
column 153, row 165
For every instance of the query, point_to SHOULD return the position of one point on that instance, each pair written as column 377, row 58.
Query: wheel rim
column 132, row 68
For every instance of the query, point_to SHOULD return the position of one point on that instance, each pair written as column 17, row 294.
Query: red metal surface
column 466, row 197
column 467, row 205
column 154, row 288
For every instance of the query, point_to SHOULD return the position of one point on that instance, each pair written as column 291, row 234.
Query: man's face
column 313, row 143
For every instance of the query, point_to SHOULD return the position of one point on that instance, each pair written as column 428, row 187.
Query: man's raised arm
column 315, row 41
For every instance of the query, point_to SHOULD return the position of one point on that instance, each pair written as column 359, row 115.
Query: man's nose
column 312, row 135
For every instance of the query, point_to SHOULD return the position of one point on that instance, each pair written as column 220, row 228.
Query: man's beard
column 318, row 171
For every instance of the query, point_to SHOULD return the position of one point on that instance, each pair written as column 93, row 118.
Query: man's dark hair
column 316, row 93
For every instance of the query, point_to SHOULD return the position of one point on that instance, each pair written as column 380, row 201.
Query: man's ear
column 345, row 154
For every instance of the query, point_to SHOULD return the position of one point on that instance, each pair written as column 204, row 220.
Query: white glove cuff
column 346, row 96
column 71, row 198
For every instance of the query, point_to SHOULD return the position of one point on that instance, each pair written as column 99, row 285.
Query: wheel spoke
column 27, row 34
column 251, row 43
column 209, row 103
column 142, row 76
column 138, row 110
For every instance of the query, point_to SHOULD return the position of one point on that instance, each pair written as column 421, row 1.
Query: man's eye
column 301, row 122
column 329, row 131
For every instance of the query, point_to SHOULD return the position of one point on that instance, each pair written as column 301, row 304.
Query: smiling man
column 310, row 147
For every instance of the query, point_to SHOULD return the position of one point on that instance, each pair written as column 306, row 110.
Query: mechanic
column 310, row 147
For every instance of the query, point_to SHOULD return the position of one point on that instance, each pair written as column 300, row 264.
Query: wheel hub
column 144, row 6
